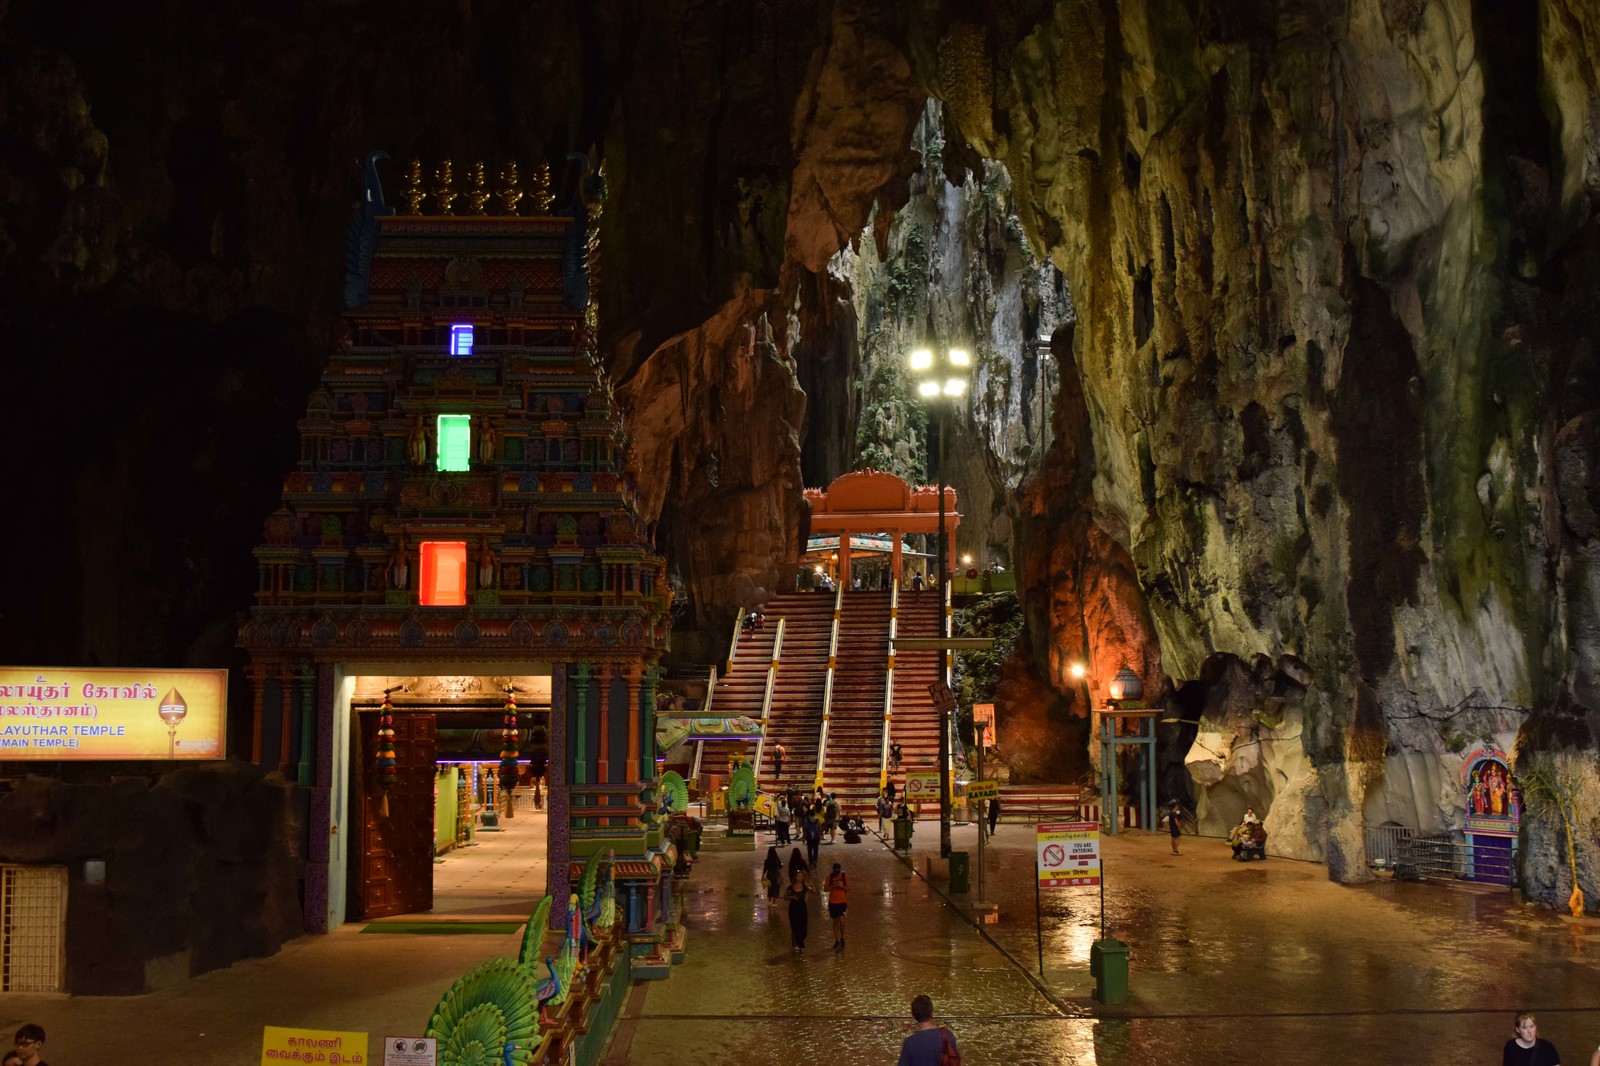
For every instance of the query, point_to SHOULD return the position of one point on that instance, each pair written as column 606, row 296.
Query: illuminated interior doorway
column 438, row 837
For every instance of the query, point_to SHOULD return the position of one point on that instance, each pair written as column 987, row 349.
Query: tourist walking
column 895, row 756
column 885, row 810
column 772, row 874
column 1173, row 812
column 797, row 862
column 781, row 821
column 1527, row 1047
column 932, row 1044
column 838, row 887
column 889, row 790
column 830, row 816
column 994, row 815
column 813, row 834
column 799, row 912
column 777, row 761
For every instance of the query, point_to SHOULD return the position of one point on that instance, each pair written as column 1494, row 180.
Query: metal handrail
column 827, row 687
column 733, row 645
column 766, row 697
column 700, row 746
column 888, row 687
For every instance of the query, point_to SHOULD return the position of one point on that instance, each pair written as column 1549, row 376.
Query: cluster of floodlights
column 950, row 364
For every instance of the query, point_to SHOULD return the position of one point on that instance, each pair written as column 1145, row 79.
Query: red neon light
column 444, row 573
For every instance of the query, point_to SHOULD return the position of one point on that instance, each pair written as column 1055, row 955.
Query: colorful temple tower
column 462, row 506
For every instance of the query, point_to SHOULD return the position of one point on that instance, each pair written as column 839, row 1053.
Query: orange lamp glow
column 444, row 573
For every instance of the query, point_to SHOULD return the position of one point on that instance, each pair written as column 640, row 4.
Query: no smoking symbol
column 1054, row 855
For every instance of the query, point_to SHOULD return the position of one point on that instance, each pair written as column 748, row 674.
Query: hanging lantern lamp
column 384, row 758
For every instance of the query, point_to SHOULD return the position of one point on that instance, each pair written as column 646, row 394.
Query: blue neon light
column 460, row 339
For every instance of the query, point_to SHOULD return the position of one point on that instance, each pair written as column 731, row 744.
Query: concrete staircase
column 740, row 690
column 855, row 729
column 916, row 724
column 795, row 719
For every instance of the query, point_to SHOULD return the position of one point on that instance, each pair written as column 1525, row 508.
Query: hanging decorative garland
column 384, row 759
column 508, row 750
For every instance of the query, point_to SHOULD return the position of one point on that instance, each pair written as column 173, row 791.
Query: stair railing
column 888, row 687
column 705, row 711
column 733, row 644
column 827, row 686
column 766, row 697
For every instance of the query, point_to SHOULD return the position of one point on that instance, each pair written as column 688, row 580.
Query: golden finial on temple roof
column 477, row 189
column 444, row 193
column 542, row 199
column 510, row 192
column 414, row 193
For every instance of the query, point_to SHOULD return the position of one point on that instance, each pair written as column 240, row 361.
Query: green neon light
column 455, row 442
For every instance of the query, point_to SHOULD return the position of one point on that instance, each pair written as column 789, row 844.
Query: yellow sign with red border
column 280, row 1045
column 1068, row 854
column 62, row 713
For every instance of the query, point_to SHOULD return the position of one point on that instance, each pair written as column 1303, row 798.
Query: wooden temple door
column 396, row 875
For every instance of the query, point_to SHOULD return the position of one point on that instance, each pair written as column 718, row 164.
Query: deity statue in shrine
column 487, row 443
column 417, row 442
column 399, row 572
column 486, row 567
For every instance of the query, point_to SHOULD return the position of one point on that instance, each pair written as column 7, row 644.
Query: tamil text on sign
column 983, row 790
column 83, row 713
column 1069, row 854
column 280, row 1045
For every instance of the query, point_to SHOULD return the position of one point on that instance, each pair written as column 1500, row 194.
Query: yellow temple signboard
column 281, row 1045
column 61, row 713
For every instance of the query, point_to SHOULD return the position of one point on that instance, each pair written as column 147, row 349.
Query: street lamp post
column 941, row 373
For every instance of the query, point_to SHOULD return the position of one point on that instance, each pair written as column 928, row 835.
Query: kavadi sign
column 61, row 713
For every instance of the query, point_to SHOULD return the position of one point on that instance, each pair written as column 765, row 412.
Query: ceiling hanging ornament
column 508, row 750
column 384, row 759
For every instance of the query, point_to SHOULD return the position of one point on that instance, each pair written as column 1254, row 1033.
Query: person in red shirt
column 838, row 888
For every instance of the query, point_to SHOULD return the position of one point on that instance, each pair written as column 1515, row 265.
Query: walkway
column 501, row 875
column 1267, row 962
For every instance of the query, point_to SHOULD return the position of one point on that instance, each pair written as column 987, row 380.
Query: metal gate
column 33, row 928
column 1442, row 855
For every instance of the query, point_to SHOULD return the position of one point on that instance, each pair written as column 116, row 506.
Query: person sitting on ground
column 1236, row 839
column 853, row 830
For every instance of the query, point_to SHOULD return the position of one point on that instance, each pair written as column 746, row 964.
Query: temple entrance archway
column 438, row 836
column 876, row 510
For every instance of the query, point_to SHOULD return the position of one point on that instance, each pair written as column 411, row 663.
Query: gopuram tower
column 462, row 510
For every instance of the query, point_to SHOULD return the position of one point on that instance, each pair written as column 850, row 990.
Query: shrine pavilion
column 460, row 551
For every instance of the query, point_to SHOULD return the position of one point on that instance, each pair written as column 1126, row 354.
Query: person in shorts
column 838, row 888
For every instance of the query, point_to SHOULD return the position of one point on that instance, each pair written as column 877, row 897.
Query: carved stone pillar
column 580, row 701
column 258, row 684
column 634, row 771
column 603, row 762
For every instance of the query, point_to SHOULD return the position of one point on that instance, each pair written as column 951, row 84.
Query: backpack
column 948, row 1055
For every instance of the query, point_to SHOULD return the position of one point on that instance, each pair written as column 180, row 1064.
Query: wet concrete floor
column 1267, row 960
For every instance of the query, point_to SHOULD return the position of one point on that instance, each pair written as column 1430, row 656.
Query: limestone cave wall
column 1333, row 266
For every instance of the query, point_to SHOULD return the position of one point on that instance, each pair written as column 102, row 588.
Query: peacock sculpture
column 489, row 1017
column 674, row 792
column 742, row 788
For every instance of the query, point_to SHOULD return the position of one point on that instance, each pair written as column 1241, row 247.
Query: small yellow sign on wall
column 280, row 1045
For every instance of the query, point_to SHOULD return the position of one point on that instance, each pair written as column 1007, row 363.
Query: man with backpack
column 838, row 889
column 931, row 1044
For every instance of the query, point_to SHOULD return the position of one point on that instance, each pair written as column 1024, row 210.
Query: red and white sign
column 1068, row 854
column 944, row 701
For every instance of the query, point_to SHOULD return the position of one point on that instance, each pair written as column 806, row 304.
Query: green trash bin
column 960, row 872
column 1108, row 965
column 902, row 834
